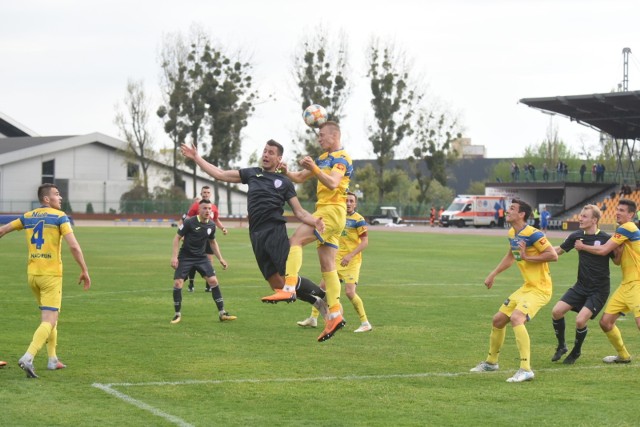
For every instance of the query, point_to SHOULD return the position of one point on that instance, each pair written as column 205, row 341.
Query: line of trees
column 209, row 97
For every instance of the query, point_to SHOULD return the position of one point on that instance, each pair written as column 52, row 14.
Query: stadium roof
column 617, row 113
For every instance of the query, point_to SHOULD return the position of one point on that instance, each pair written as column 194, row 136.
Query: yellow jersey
column 628, row 235
column 535, row 274
column 44, row 228
column 355, row 228
column 328, row 162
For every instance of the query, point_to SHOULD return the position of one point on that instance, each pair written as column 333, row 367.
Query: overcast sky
column 65, row 64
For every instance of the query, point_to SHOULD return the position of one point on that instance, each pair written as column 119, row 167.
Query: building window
column 133, row 171
column 48, row 171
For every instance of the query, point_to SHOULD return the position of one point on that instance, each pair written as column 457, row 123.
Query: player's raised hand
column 307, row 163
column 189, row 151
column 282, row 168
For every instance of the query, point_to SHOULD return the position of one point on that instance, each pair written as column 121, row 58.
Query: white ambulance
column 479, row 211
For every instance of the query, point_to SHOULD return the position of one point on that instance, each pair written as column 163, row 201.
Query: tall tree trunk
column 229, row 205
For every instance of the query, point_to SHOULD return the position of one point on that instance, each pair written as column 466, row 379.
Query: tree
column 393, row 101
column 175, row 91
column 320, row 69
column 133, row 125
column 210, row 97
column 227, row 92
column 434, row 137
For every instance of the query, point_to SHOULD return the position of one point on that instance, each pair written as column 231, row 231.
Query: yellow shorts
column 47, row 290
column 335, row 219
column 350, row 273
column 625, row 299
column 527, row 301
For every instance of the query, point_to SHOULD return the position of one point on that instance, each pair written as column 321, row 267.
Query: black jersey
column 196, row 236
column 593, row 270
column 268, row 192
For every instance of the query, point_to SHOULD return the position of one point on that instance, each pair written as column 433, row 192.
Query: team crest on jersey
column 617, row 236
column 543, row 241
column 277, row 183
column 208, row 231
column 181, row 226
column 340, row 167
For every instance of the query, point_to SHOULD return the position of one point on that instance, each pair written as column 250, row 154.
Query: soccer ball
column 315, row 115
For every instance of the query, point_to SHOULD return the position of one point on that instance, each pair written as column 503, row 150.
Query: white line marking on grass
column 108, row 388
column 155, row 411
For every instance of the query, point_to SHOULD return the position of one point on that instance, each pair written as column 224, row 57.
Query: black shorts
column 271, row 249
column 577, row 297
column 201, row 264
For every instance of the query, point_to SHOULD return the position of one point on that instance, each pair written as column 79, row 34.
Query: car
column 387, row 215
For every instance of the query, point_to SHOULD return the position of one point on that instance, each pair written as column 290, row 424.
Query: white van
column 478, row 211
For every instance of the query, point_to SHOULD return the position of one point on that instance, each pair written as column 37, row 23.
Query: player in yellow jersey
column 45, row 227
column 532, row 252
column 353, row 241
column 333, row 169
column 627, row 296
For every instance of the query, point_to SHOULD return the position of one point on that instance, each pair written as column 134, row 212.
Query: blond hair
column 595, row 211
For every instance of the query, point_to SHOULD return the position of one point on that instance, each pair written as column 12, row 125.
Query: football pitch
column 423, row 293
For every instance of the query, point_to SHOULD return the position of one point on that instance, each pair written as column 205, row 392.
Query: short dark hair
column 44, row 190
column 630, row 204
column 350, row 193
column 205, row 187
column 279, row 146
column 523, row 207
column 203, row 201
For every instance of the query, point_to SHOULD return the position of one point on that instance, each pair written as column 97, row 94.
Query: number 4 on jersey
column 38, row 235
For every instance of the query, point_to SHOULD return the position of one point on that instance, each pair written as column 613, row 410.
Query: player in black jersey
column 590, row 292
column 268, row 192
column 196, row 233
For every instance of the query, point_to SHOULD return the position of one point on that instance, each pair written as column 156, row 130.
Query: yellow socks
column 294, row 263
column 359, row 306
column 40, row 337
column 496, row 339
column 332, row 288
column 524, row 346
column 52, row 342
column 615, row 338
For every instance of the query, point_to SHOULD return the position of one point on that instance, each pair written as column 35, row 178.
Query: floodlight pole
column 625, row 69
column 623, row 145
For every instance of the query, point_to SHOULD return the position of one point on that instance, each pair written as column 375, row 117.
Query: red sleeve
column 214, row 212
column 193, row 210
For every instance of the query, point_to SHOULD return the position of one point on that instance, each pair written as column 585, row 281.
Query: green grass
column 424, row 295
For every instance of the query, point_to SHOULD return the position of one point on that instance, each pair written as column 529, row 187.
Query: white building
column 87, row 169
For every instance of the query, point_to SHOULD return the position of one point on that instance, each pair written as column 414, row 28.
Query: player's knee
column 605, row 324
column 557, row 313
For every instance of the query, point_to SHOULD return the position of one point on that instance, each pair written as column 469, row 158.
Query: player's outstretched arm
column 330, row 180
column 76, row 251
column 190, row 152
column 5, row 229
column 597, row 250
column 297, row 177
column 305, row 216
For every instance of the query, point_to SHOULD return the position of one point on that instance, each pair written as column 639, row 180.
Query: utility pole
column 625, row 69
